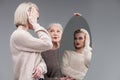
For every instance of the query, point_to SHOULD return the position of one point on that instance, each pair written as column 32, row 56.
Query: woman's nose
column 77, row 40
column 55, row 33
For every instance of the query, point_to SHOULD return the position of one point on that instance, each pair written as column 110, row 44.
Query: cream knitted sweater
column 75, row 65
column 26, row 52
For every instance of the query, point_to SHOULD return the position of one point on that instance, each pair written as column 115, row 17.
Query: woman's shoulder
column 88, row 53
column 69, row 51
column 19, row 35
column 19, row 32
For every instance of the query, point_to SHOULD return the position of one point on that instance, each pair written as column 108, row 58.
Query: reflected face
column 55, row 33
column 79, row 40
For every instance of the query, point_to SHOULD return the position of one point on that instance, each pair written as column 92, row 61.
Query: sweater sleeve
column 88, row 56
column 42, row 66
column 26, row 42
column 67, row 70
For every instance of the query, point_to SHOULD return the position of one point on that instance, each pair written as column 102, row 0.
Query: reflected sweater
column 75, row 64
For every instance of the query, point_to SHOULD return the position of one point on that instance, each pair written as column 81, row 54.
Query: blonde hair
column 87, row 36
column 57, row 25
column 20, row 16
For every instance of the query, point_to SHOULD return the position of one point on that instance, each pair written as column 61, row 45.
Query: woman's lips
column 55, row 37
column 77, row 44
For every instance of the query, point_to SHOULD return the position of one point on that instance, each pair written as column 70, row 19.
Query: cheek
column 82, row 43
column 75, row 42
column 60, row 36
column 50, row 34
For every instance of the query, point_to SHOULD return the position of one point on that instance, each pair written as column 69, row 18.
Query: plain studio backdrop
column 103, row 17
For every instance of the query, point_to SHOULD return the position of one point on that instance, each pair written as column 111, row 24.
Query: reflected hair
column 87, row 38
column 20, row 16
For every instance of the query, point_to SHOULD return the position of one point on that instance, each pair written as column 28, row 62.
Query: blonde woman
column 52, row 56
column 26, row 49
column 75, row 63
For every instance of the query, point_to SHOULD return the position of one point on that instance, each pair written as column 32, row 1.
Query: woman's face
column 79, row 40
column 55, row 33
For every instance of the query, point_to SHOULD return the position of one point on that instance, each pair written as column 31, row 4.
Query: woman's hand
column 32, row 17
column 36, row 73
column 77, row 14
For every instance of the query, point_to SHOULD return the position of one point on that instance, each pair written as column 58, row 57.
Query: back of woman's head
column 20, row 16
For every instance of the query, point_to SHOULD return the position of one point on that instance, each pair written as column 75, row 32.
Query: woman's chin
column 55, row 41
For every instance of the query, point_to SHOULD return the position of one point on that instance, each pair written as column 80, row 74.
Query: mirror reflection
column 75, row 63
column 76, row 48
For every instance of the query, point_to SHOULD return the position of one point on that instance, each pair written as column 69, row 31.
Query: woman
column 75, row 63
column 26, row 49
column 51, row 57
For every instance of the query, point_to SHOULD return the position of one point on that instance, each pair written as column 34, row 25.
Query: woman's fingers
column 77, row 14
column 32, row 11
column 37, row 73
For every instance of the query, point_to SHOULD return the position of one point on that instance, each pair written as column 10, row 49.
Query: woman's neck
column 79, row 50
column 23, row 27
column 56, row 45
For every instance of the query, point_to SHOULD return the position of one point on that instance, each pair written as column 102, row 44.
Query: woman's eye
column 80, row 38
column 51, row 30
column 75, row 38
column 58, row 31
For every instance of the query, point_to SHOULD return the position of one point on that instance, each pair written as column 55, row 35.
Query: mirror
column 76, row 48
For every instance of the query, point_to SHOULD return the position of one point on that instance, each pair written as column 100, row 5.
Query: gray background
column 103, row 17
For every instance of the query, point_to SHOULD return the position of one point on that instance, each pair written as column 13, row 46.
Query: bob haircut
column 87, row 38
column 57, row 25
column 20, row 16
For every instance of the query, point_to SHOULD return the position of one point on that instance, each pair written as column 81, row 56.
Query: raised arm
column 26, row 42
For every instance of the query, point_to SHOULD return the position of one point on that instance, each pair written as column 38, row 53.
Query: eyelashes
column 80, row 38
column 55, row 31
